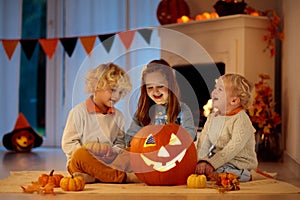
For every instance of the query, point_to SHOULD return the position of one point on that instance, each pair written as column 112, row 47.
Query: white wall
column 290, row 78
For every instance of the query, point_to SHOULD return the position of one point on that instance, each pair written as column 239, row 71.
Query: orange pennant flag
column 127, row 38
column 88, row 43
column 9, row 47
column 49, row 46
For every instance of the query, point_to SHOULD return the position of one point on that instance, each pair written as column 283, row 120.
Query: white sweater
column 233, row 138
column 83, row 126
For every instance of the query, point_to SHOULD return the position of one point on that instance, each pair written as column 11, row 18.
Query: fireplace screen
column 196, row 82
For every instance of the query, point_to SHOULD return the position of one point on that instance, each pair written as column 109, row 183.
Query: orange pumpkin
column 44, row 179
column 163, row 155
column 72, row 183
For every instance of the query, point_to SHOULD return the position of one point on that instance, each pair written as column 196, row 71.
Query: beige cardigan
column 233, row 138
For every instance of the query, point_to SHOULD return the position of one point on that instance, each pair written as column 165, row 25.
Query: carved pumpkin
column 196, row 181
column 163, row 155
column 72, row 183
column 44, row 179
column 23, row 141
column 23, row 138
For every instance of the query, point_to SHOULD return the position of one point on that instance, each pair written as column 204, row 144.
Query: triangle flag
column 69, row 44
column 49, row 46
column 127, row 38
column 88, row 43
column 146, row 34
column 28, row 47
column 9, row 47
column 107, row 40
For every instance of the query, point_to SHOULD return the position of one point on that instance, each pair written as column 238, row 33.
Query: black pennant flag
column 107, row 40
column 146, row 34
column 69, row 44
column 28, row 47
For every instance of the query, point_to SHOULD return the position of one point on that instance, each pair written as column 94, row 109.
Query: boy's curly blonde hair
column 241, row 88
column 107, row 75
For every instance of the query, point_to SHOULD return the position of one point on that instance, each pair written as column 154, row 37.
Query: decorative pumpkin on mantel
column 168, row 11
column 163, row 155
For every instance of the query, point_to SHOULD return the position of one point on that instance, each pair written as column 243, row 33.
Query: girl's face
column 222, row 96
column 106, row 98
column 157, row 87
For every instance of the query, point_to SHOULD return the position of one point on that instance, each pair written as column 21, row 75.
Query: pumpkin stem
column 51, row 173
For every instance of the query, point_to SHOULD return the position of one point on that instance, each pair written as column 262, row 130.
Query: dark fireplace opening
column 196, row 82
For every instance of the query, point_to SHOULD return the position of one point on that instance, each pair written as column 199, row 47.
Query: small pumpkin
column 44, row 179
column 72, row 183
column 97, row 148
column 196, row 181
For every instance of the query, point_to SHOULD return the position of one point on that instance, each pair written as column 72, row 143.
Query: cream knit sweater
column 233, row 138
column 82, row 127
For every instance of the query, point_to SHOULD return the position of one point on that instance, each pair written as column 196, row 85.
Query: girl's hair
column 241, row 88
column 107, row 75
column 143, row 114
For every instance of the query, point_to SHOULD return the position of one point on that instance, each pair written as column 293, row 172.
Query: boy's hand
column 102, row 151
column 204, row 168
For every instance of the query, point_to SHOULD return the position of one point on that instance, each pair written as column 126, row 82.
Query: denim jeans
column 243, row 174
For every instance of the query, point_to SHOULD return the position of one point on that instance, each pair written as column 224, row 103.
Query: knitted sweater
column 85, row 126
column 233, row 139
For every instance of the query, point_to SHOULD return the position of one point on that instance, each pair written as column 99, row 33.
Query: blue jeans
column 243, row 174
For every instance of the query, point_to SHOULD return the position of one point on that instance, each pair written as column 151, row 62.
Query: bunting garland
column 127, row 38
column 69, row 44
column 49, row 45
column 28, row 46
column 107, row 41
column 9, row 47
column 88, row 43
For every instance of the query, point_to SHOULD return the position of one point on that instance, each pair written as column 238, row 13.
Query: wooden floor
column 53, row 158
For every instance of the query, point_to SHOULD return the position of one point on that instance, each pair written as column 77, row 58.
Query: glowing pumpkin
column 23, row 141
column 163, row 155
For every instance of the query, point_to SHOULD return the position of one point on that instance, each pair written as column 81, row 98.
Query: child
column 229, row 143
column 159, row 101
column 96, row 120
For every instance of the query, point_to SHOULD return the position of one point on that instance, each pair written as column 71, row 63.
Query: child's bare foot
column 87, row 178
column 132, row 178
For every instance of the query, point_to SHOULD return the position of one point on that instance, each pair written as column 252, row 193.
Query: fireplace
column 196, row 82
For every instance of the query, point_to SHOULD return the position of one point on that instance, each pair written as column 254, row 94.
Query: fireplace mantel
column 236, row 40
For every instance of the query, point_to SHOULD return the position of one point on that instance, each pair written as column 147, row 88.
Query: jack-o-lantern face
column 163, row 155
column 23, row 141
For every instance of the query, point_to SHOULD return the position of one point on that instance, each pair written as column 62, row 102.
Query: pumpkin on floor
column 163, row 155
column 72, row 183
column 196, row 181
column 44, row 179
